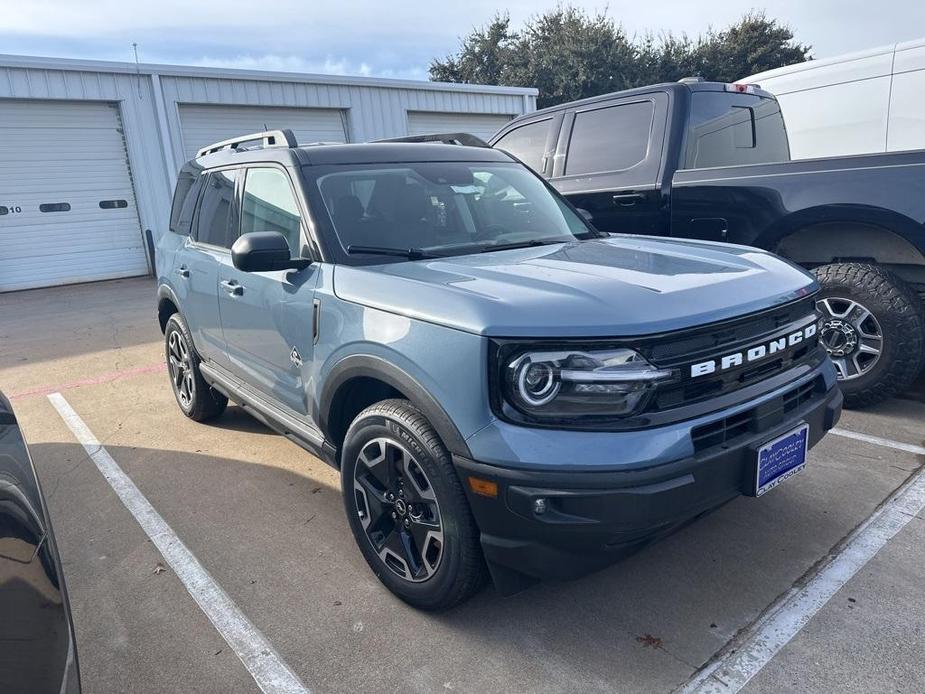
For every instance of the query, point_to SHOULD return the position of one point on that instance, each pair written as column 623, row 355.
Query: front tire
column 196, row 398
column 407, row 508
column 873, row 328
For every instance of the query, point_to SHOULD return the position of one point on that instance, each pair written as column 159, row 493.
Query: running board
column 294, row 429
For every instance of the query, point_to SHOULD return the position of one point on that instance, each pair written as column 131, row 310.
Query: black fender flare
column 165, row 292
column 369, row 366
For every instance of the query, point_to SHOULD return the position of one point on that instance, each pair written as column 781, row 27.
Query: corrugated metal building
column 89, row 150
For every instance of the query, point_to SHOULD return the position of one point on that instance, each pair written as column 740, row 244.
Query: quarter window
column 214, row 225
column 527, row 143
column 610, row 139
column 185, row 195
column 734, row 130
column 269, row 205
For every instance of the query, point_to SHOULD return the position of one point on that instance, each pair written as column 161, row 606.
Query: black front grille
column 714, row 338
column 756, row 419
column 680, row 352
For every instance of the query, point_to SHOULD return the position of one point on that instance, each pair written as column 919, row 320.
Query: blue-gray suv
column 506, row 390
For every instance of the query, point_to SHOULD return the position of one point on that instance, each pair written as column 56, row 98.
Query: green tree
column 569, row 54
column 753, row 44
column 484, row 56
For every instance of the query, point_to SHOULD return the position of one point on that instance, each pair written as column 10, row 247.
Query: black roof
column 386, row 152
column 691, row 86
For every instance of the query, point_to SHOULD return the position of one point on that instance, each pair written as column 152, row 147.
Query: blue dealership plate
column 781, row 459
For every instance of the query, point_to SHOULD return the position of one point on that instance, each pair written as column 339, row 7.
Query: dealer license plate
column 781, row 459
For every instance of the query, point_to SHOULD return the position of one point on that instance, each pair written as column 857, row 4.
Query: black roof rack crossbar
column 464, row 139
column 270, row 138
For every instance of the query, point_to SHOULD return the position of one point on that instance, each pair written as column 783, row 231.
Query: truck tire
column 196, row 398
column 407, row 508
column 873, row 328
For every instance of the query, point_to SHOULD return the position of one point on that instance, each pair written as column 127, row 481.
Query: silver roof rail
column 270, row 138
column 464, row 139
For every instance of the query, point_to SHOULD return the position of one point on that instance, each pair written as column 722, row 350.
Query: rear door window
column 214, row 223
column 728, row 129
column 527, row 143
column 613, row 138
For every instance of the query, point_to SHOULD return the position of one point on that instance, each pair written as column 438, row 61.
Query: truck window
column 609, row 139
column 213, row 225
column 527, row 143
column 727, row 129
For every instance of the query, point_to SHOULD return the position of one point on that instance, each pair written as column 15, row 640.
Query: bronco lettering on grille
column 753, row 354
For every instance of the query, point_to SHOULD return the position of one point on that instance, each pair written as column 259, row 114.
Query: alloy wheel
column 852, row 336
column 181, row 369
column 398, row 510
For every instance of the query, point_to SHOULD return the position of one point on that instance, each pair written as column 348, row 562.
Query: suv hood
column 620, row 286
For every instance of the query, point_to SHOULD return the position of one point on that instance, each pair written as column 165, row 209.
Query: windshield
column 444, row 208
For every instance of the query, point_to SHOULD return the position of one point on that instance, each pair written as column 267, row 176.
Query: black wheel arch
column 167, row 305
column 356, row 368
column 903, row 234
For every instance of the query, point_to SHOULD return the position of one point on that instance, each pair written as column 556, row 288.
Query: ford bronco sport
column 505, row 390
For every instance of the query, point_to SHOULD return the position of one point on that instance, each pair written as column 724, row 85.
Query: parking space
column 265, row 519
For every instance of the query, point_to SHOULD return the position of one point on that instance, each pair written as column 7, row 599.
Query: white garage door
column 482, row 125
column 203, row 125
column 67, row 210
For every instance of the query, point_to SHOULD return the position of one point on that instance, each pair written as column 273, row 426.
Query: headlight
column 567, row 383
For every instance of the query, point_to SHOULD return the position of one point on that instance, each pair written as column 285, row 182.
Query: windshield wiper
column 409, row 253
column 518, row 244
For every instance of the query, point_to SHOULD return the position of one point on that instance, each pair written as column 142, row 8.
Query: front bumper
column 592, row 518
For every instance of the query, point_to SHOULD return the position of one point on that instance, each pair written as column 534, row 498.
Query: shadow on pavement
column 277, row 540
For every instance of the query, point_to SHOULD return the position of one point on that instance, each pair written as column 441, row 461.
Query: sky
column 394, row 38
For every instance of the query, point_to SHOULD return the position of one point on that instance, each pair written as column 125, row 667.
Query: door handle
column 628, row 199
column 183, row 271
column 232, row 287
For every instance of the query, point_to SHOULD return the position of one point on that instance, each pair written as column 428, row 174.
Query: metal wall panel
column 205, row 124
column 68, row 211
column 150, row 98
column 479, row 124
column 372, row 112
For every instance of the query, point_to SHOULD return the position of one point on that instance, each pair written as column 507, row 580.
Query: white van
column 860, row 103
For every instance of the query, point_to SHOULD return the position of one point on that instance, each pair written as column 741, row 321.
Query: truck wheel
column 873, row 328
column 195, row 397
column 407, row 508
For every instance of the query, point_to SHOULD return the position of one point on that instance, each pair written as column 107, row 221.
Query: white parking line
column 888, row 443
column 265, row 665
column 732, row 671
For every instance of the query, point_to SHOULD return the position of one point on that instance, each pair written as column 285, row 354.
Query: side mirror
column 588, row 217
column 264, row 251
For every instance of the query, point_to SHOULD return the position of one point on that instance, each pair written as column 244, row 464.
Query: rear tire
column 874, row 330
column 196, row 398
column 407, row 509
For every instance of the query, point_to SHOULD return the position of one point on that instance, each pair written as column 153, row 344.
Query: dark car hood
column 619, row 286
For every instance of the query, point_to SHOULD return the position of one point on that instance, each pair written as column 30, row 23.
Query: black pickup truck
column 711, row 161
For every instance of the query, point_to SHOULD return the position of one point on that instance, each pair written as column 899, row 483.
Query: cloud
column 396, row 38
column 294, row 63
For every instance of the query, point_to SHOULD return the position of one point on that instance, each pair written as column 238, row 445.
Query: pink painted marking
column 92, row 381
